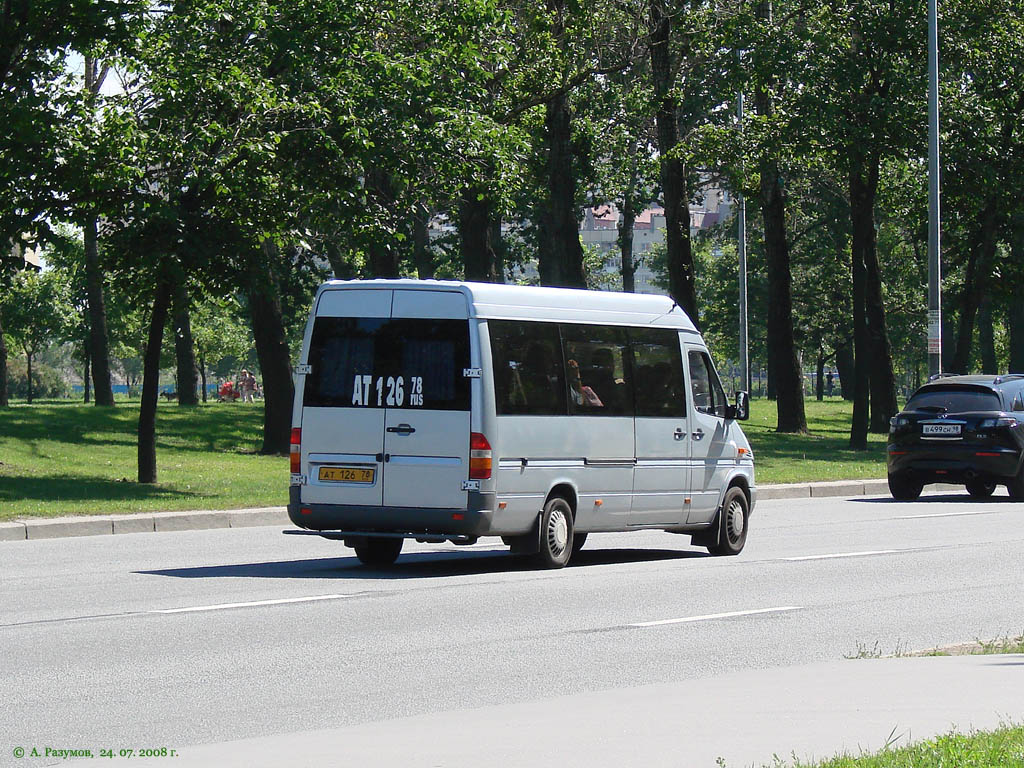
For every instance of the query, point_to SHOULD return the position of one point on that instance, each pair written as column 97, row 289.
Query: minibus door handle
column 402, row 429
column 698, row 435
column 679, row 434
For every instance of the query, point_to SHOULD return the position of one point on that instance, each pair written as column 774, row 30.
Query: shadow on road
column 418, row 565
column 953, row 498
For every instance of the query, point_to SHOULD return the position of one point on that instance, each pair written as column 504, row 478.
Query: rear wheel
column 379, row 552
column 1016, row 486
column 979, row 489
column 556, row 539
column 903, row 488
column 732, row 521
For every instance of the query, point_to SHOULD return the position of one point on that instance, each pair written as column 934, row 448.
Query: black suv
column 960, row 429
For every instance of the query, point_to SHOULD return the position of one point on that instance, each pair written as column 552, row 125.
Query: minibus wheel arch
column 565, row 491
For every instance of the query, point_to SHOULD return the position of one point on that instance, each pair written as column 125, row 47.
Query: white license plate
column 946, row 430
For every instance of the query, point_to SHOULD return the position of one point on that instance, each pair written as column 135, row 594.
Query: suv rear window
column 954, row 401
column 360, row 362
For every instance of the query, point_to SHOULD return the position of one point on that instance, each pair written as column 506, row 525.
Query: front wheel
column 379, row 552
column 903, row 488
column 556, row 530
column 732, row 521
column 980, row 489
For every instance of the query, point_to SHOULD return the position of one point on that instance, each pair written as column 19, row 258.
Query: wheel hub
column 558, row 531
column 735, row 520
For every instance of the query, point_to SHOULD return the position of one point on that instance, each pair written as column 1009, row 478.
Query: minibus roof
column 524, row 302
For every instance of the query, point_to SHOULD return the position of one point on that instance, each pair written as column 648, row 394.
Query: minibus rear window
column 414, row 364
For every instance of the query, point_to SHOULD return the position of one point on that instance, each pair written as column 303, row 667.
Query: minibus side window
column 597, row 376
column 708, row 395
column 527, row 364
column 657, row 372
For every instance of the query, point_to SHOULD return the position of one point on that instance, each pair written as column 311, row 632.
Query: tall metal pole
column 934, row 232
column 742, row 248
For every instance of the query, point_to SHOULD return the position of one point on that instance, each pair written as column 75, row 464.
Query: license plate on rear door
column 346, row 475
column 944, row 430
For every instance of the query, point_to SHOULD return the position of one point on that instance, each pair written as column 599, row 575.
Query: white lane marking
column 225, row 606
column 710, row 616
column 846, row 554
column 948, row 514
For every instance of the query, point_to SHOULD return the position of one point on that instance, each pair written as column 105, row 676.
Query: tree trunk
column 151, row 382
column 421, row 255
column 976, row 283
column 478, row 257
column 184, row 347
column 819, row 387
column 1016, row 316
column 28, row 360
column 202, row 374
column 880, row 373
column 271, row 349
column 789, row 384
column 4, row 400
column 986, row 336
column 85, row 378
column 99, row 349
column 844, row 367
column 861, row 341
column 678, row 248
column 627, row 220
column 560, row 256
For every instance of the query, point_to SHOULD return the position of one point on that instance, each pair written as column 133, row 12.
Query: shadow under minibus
column 419, row 565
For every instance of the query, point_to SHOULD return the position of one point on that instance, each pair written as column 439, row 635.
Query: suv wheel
column 904, row 488
column 980, row 489
column 1016, row 486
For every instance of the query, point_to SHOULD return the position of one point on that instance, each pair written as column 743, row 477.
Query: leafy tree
column 37, row 307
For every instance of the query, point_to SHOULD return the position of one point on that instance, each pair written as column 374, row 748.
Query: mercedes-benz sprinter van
column 449, row 411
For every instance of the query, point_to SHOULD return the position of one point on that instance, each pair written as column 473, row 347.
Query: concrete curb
column 150, row 522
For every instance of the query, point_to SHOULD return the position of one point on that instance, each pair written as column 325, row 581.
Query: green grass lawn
column 824, row 454
column 999, row 748
column 59, row 458
column 64, row 458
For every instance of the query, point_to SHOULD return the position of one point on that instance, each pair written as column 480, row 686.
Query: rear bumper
column 474, row 520
column 954, row 463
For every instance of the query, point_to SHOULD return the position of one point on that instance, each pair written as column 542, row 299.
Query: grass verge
column 1002, row 747
column 62, row 458
column 1005, row 644
column 71, row 459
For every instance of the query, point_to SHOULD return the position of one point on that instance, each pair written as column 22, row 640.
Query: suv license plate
column 346, row 475
column 941, row 429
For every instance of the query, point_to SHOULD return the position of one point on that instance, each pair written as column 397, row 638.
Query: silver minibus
column 447, row 411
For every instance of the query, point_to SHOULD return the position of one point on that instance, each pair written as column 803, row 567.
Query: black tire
column 578, row 540
column 379, row 552
column 1016, row 486
column 980, row 489
column 733, row 520
column 556, row 539
column 903, row 488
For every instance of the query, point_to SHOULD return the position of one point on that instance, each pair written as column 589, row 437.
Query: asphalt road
column 177, row 639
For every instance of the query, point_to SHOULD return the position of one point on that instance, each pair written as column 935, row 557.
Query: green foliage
column 46, row 381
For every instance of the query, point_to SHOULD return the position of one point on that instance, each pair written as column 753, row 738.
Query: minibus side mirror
column 740, row 411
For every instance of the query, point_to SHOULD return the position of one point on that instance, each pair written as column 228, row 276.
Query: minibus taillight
column 295, row 455
column 479, row 457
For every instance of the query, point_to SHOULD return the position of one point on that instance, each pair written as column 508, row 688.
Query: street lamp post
column 934, row 265
column 742, row 251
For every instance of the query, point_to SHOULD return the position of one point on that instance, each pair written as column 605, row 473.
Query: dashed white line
column 225, row 606
column 711, row 616
column 947, row 514
column 845, row 554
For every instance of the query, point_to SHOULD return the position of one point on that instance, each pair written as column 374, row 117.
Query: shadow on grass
column 213, row 427
column 75, row 488
column 419, row 565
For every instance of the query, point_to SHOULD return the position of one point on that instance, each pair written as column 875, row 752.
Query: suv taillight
column 479, row 457
column 295, row 451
